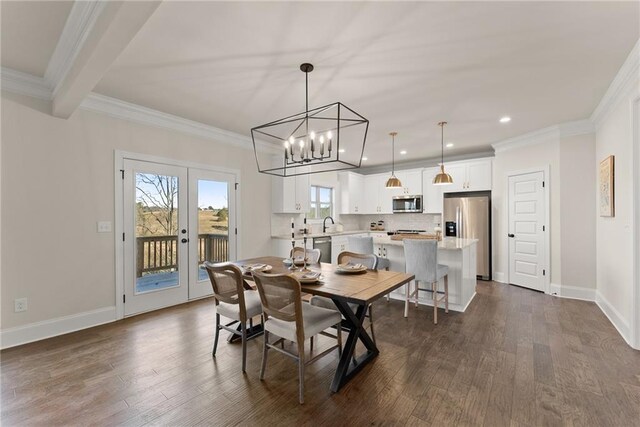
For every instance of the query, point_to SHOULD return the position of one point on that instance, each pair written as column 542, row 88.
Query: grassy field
column 208, row 223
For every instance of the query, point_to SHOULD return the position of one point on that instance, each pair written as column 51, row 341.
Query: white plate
column 351, row 268
column 308, row 277
column 248, row 269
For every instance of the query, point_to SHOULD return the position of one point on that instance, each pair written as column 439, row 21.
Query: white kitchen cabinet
column 432, row 197
column 474, row 175
column 377, row 198
column 411, row 182
column 290, row 194
column 338, row 245
column 351, row 193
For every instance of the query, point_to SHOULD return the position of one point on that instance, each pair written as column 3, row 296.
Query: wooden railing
column 157, row 253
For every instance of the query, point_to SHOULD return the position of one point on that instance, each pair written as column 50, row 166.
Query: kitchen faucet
column 324, row 223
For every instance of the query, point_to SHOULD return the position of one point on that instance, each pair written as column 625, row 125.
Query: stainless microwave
column 404, row 204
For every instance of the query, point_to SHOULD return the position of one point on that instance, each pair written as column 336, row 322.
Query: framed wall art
column 607, row 179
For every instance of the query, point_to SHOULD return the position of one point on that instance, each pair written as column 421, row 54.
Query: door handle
column 511, row 235
column 184, row 240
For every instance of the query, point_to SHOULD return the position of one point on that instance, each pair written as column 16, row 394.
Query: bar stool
column 422, row 261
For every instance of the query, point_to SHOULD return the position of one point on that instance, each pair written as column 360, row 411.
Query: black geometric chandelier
column 327, row 138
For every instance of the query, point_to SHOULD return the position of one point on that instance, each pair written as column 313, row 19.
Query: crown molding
column 136, row 113
column 621, row 85
column 427, row 162
column 80, row 22
column 548, row 134
column 24, row 84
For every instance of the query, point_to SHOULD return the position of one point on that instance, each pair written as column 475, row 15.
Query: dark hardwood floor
column 516, row 357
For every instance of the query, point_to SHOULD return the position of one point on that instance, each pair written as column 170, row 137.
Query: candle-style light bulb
column 291, row 143
column 301, row 143
column 321, row 145
column 312, row 136
column 286, row 150
column 329, row 135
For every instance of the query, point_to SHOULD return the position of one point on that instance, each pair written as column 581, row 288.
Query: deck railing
column 157, row 253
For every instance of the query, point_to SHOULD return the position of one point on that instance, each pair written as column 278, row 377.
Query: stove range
column 391, row 233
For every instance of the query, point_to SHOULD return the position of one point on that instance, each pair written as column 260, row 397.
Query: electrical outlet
column 20, row 304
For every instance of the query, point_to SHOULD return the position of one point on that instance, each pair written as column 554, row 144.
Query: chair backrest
column 369, row 259
column 421, row 257
column 361, row 245
column 227, row 283
column 281, row 298
column 313, row 255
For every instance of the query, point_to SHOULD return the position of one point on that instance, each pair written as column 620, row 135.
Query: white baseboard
column 19, row 335
column 614, row 317
column 573, row 292
column 499, row 277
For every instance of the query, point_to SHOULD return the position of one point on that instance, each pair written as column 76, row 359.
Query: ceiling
column 402, row 65
column 30, row 32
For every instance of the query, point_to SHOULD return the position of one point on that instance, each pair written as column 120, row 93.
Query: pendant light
column 442, row 178
column 393, row 181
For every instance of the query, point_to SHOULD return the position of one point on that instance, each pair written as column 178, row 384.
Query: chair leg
column 416, row 293
column 434, row 288
column 388, row 295
column 446, row 293
column 373, row 336
column 244, row 347
column 215, row 339
column 301, row 371
column 264, row 355
column 406, row 300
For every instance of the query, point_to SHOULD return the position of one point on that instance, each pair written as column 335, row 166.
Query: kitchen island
column 458, row 254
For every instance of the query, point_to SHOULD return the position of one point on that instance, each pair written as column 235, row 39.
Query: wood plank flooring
column 516, row 357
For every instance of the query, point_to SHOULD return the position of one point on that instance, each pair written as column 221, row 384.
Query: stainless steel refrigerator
column 468, row 215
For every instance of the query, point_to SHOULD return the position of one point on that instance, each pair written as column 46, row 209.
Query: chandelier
column 327, row 138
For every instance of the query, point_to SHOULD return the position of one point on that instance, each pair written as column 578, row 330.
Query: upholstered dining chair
column 313, row 255
column 421, row 258
column 364, row 245
column 367, row 259
column 232, row 301
column 286, row 317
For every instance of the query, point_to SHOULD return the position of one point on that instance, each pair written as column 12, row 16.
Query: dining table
column 360, row 288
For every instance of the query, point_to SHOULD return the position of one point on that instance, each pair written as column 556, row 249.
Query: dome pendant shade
column 442, row 178
column 393, row 182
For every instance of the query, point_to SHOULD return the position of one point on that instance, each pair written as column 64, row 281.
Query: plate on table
column 250, row 268
column 351, row 267
column 308, row 276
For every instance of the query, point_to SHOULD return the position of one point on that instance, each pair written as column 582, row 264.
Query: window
column 320, row 202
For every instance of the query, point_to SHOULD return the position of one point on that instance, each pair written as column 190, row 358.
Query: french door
column 175, row 218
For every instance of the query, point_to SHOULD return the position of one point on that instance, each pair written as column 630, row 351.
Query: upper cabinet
column 432, row 194
column 377, row 196
column 473, row 175
column 411, row 183
column 290, row 195
column 351, row 193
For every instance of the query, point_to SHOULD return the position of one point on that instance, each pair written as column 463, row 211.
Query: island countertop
column 447, row 243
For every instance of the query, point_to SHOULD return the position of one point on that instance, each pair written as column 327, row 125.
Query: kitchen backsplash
column 281, row 223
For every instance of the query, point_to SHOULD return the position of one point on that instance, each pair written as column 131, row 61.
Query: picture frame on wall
column 607, row 179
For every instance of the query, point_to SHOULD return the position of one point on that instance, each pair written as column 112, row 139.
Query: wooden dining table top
column 358, row 288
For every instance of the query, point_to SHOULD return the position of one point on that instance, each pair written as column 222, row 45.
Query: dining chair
column 313, row 255
column 233, row 301
column 367, row 259
column 421, row 258
column 286, row 317
column 364, row 245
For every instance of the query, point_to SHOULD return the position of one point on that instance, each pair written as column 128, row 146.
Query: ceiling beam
column 113, row 29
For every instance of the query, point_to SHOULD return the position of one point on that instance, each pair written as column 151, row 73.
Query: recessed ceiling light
column 449, row 145
column 403, row 152
column 364, row 159
column 341, row 150
column 505, row 119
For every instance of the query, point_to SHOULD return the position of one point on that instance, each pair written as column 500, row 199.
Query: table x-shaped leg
column 354, row 322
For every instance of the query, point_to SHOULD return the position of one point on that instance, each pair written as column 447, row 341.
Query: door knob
column 511, row 235
column 184, row 240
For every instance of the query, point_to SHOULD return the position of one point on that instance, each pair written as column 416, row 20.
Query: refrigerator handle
column 458, row 222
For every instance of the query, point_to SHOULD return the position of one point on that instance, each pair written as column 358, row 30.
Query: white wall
column 58, row 181
column 614, row 235
column 572, row 202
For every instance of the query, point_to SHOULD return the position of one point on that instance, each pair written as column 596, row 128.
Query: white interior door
column 156, row 233
column 212, row 234
column 527, row 251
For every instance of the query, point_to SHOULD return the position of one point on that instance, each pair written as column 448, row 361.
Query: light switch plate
column 20, row 304
column 104, row 226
